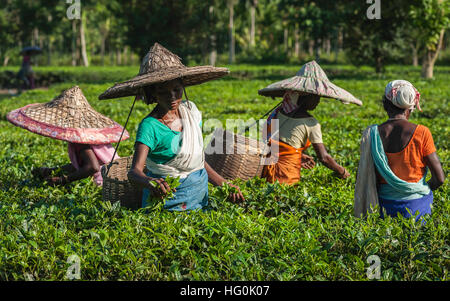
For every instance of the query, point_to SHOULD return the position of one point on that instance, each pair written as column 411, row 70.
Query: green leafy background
column 306, row 232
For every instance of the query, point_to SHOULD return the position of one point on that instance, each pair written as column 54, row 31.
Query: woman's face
column 169, row 95
column 308, row 102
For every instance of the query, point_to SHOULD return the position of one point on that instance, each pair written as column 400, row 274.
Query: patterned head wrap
column 402, row 94
column 289, row 103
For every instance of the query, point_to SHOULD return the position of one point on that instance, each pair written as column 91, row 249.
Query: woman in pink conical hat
column 89, row 134
column 298, row 129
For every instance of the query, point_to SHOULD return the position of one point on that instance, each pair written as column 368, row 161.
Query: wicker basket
column 242, row 159
column 117, row 187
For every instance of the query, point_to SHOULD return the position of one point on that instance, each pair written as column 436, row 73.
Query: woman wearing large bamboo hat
column 298, row 129
column 89, row 134
column 169, row 140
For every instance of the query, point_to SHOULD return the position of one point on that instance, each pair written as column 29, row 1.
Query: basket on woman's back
column 235, row 156
column 117, row 187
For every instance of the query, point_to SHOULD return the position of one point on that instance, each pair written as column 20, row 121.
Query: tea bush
column 302, row 232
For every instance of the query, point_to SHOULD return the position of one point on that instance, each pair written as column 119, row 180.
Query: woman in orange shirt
column 297, row 128
column 401, row 152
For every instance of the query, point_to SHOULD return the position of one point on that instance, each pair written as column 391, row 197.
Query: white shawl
column 366, row 196
column 190, row 157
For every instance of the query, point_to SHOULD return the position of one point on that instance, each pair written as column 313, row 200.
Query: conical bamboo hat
column 310, row 79
column 68, row 117
column 158, row 66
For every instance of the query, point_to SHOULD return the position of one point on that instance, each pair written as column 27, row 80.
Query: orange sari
column 287, row 169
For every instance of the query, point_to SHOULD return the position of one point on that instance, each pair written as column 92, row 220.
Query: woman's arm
column 217, row 180
column 68, row 168
column 90, row 167
column 137, row 175
column 437, row 174
column 328, row 161
column 213, row 177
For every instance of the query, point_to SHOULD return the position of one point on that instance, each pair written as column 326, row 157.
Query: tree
column 180, row 26
column 431, row 18
column 231, row 57
column 83, row 41
column 375, row 41
column 207, row 31
column 9, row 30
column 253, row 5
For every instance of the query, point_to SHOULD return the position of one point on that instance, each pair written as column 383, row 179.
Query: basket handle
column 118, row 143
column 268, row 112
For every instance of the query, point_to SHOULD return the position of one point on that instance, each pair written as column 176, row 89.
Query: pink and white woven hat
column 68, row 117
column 311, row 79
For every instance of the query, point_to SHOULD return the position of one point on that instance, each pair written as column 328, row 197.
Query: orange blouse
column 409, row 163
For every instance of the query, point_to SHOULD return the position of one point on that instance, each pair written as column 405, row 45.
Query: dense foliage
column 117, row 32
column 303, row 232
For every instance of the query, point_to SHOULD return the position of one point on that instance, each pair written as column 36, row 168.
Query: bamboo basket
column 244, row 158
column 117, row 187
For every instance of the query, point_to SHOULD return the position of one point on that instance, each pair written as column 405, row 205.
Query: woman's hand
column 42, row 172
column 218, row 180
column 344, row 174
column 329, row 162
column 437, row 173
column 235, row 197
column 54, row 181
column 307, row 162
column 159, row 187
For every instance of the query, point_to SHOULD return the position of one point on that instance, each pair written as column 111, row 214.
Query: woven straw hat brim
column 311, row 85
column 83, row 135
column 190, row 76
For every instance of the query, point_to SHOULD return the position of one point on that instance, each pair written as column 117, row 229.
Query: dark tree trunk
column 317, row 50
column 102, row 50
column 328, row 46
column 74, row 43
column 379, row 67
column 311, row 47
column 49, row 50
column 125, row 55
column 77, row 49
column 231, row 32
column 104, row 31
column 119, row 56
column 83, row 42
column 414, row 54
column 111, row 57
column 212, row 38
column 430, row 58
column 254, row 3
column 296, row 41
column 286, row 39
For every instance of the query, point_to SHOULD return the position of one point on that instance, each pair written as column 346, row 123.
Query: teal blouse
column 163, row 142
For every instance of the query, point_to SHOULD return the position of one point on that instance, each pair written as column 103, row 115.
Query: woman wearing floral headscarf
column 395, row 156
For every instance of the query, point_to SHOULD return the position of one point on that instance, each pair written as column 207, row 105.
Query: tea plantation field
column 306, row 232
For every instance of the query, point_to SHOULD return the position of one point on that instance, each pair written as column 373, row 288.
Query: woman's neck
column 161, row 112
column 398, row 117
column 299, row 113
